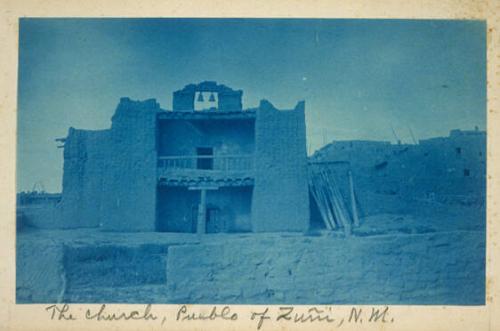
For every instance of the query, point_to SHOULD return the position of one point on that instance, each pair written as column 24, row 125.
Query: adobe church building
column 206, row 166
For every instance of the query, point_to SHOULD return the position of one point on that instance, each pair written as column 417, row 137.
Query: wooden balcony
column 225, row 169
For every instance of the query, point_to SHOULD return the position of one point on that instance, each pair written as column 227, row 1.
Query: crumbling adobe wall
column 438, row 268
column 42, row 216
column 230, row 100
column 281, row 198
column 85, row 157
column 450, row 169
column 129, row 177
column 109, row 176
column 38, row 210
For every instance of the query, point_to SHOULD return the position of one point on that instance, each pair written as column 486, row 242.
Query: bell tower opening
column 205, row 100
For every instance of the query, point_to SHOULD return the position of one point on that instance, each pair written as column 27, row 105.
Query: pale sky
column 359, row 78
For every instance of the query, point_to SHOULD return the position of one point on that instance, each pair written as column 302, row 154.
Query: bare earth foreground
column 390, row 259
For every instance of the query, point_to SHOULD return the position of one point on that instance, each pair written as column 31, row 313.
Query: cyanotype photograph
column 251, row 161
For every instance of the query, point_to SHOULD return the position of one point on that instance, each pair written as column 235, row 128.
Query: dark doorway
column 194, row 218
column 215, row 223
column 177, row 209
column 206, row 160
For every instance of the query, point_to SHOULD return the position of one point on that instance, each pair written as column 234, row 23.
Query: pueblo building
column 206, row 166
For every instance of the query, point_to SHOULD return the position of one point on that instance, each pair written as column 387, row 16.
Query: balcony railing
column 220, row 163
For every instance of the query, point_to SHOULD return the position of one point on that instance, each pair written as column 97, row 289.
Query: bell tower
column 204, row 100
column 207, row 96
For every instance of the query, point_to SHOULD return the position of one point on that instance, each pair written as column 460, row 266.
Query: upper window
column 205, row 158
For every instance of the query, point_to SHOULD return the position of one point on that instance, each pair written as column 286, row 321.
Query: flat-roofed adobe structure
column 207, row 165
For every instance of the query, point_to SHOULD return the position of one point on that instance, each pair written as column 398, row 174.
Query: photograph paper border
column 34, row 316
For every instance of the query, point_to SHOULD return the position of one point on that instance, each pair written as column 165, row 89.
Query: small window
column 466, row 172
column 205, row 158
column 458, row 150
column 381, row 165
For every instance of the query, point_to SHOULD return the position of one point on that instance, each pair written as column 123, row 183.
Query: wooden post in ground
column 202, row 213
column 201, row 221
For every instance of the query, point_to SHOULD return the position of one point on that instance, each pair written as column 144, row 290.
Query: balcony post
column 202, row 213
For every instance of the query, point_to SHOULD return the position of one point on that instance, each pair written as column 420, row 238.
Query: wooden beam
column 201, row 188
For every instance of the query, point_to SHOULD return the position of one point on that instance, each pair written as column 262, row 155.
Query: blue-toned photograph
column 251, row 161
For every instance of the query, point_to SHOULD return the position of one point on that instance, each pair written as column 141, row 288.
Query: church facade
column 206, row 166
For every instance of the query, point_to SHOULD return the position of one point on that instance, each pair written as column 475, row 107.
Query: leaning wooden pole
column 326, row 205
column 319, row 203
column 336, row 200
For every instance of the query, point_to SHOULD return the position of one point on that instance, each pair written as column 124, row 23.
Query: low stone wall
column 433, row 268
column 42, row 216
column 39, row 272
column 438, row 268
column 112, row 265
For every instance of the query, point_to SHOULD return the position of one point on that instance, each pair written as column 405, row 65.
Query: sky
column 360, row 79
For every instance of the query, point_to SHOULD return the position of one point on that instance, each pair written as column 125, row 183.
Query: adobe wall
column 230, row 101
column 280, row 199
column 109, row 178
column 38, row 210
column 183, row 100
column 85, row 157
column 129, row 179
column 439, row 268
column 450, row 169
column 43, row 216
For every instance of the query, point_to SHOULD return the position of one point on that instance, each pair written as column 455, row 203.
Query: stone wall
column 39, row 272
column 441, row 268
column 280, row 200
